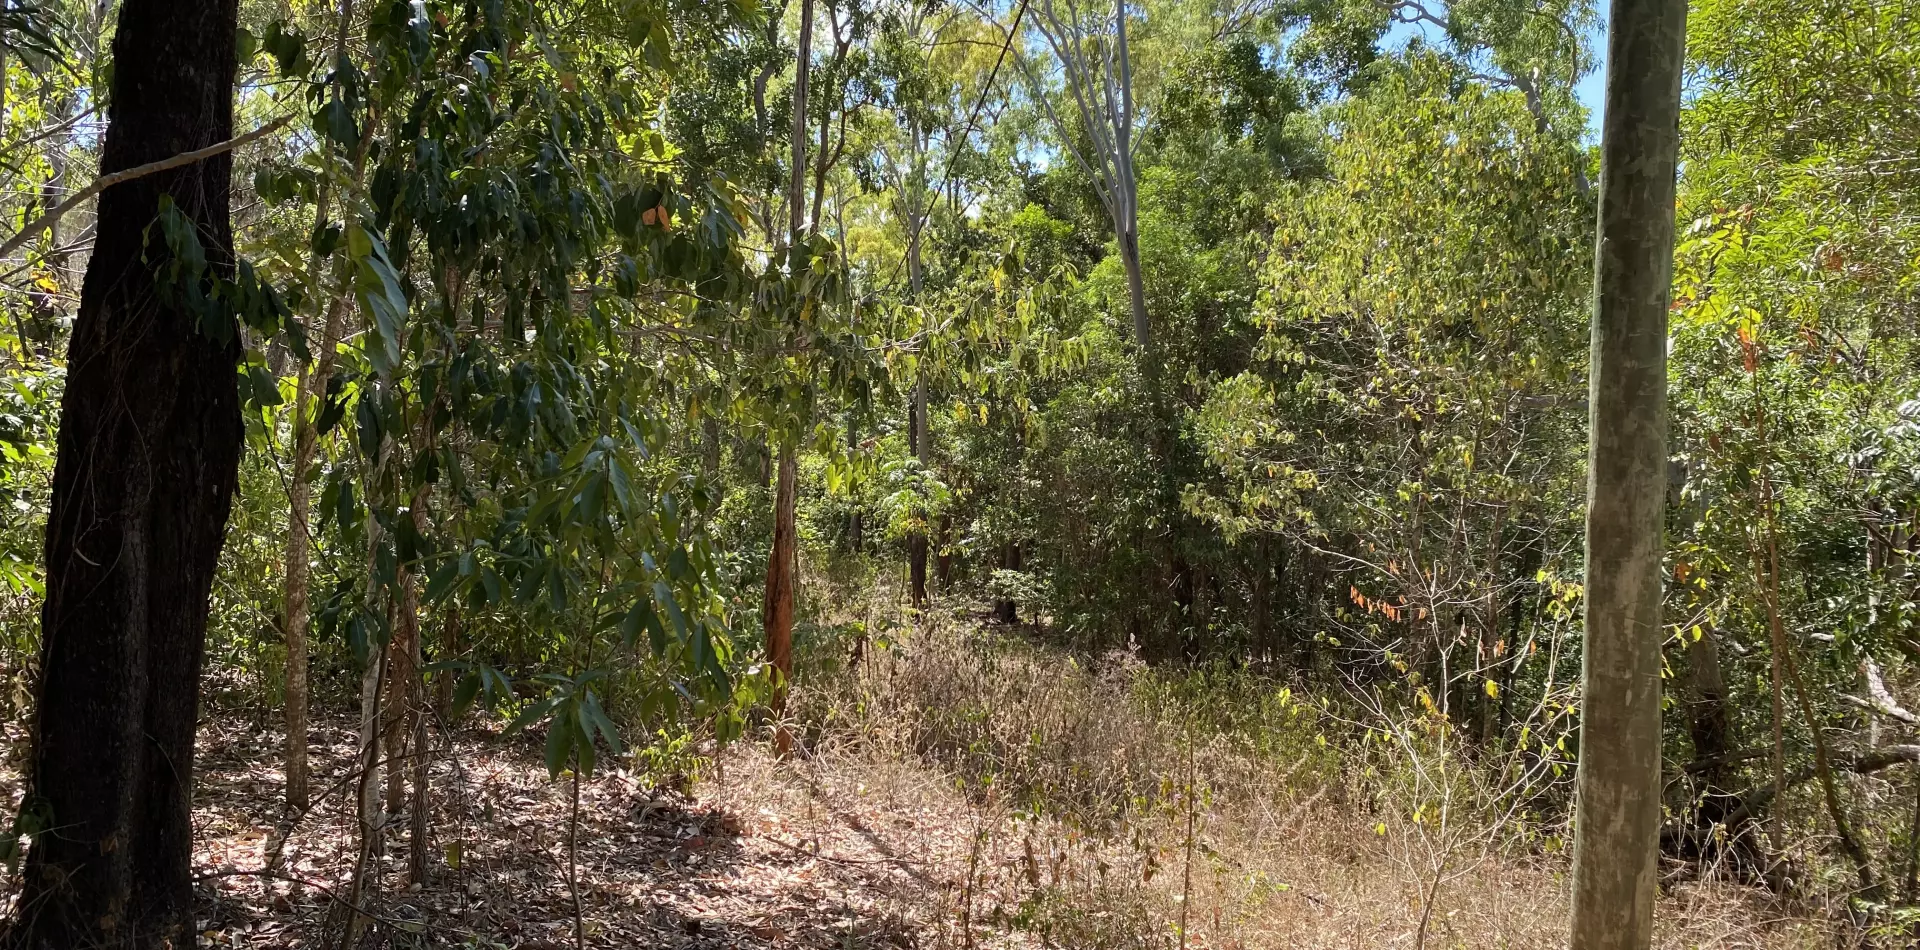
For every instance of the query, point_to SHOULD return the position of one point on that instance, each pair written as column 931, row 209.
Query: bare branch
column 104, row 182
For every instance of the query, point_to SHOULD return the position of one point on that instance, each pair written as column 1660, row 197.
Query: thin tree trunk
column 1617, row 818
column 148, row 453
column 797, row 187
column 917, row 409
column 778, row 609
column 299, row 537
column 917, row 538
column 367, row 797
column 311, row 387
column 1137, row 298
column 777, row 612
column 443, row 684
column 1127, row 227
column 419, row 826
column 1259, row 615
column 406, row 689
column 372, row 816
column 854, row 526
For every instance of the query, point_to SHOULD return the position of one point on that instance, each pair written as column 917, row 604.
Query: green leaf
column 597, row 718
column 639, row 618
column 288, row 48
column 378, row 286
column 442, row 580
column 464, row 693
column 584, row 750
column 335, row 407
column 664, row 596
column 561, row 735
column 532, row 714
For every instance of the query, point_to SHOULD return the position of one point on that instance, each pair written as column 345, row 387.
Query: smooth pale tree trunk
column 312, row 387
column 1127, row 222
column 777, row 611
column 1617, row 817
column 149, row 447
column 1136, row 288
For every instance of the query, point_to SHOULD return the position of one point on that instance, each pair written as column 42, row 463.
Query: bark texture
column 149, row 446
column 778, row 609
column 1617, row 818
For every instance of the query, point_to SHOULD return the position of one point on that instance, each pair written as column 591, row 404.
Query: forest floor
column 854, row 843
column 760, row 854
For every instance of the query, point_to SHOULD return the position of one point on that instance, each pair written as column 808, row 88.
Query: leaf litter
column 800, row 853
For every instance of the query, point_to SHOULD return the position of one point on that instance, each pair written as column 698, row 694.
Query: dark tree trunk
column 917, row 540
column 149, row 447
column 1312, row 599
column 777, row 610
column 943, row 558
column 1006, row 610
column 1260, row 605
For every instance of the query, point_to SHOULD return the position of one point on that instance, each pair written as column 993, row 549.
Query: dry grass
column 1112, row 803
column 962, row 790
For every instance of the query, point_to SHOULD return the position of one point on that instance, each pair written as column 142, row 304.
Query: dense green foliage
column 550, row 332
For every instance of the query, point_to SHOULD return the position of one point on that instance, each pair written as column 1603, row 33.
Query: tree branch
column 104, row 182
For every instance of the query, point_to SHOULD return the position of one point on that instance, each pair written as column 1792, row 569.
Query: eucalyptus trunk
column 148, row 453
column 778, row 607
column 310, row 389
column 777, row 611
column 1617, row 817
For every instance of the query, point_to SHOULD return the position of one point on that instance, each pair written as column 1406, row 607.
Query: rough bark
column 1708, row 724
column 1617, row 817
column 450, row 646
column 778, row 607
column 148, row 451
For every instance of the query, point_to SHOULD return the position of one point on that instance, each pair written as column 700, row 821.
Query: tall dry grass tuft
column 1126, row 806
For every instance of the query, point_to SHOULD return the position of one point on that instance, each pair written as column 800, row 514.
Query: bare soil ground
column 759, row 855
